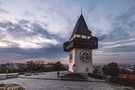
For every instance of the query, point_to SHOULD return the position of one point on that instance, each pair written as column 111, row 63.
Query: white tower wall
column 76, row 65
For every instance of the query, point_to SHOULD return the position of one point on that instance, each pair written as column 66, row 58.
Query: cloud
column 27, row 14
column 124, row 25
column 3, row 10
column 113, row 27
column 26, row 40
column 53, row 52
column 38, row 29
column 119, row 42
column 24, row 35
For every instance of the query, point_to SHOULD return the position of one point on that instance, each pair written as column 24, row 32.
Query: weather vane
column 81, row 11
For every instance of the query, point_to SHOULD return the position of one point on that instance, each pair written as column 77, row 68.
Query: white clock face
column 85, row 56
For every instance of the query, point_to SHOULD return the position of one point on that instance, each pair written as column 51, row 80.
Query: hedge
column 123, row 81
column 95, row 76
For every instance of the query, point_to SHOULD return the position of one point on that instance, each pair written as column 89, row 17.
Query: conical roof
column 81, row 27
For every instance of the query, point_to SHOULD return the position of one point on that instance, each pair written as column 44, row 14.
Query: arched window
column 74, row 68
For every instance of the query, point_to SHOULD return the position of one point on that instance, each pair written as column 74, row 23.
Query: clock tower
column 79, row 47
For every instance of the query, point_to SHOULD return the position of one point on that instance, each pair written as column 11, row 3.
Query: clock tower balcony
column 91, row 43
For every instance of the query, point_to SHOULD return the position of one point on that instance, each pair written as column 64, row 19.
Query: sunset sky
column 36, row 29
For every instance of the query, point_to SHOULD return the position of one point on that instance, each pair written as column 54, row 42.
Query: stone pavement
column 42, row 82
column 53, row 76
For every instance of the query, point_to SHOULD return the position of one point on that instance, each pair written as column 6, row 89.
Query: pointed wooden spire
column 81, row 27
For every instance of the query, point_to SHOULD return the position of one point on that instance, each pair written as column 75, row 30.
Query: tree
column 105, row 70
column 34, row 66
column 111, row 69
column 57, row 66
column 3, row 68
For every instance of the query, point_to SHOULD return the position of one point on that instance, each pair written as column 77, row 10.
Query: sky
column 37, row 29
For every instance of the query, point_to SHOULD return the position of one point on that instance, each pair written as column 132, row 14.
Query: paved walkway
column 42, row 82
column 53, row 76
